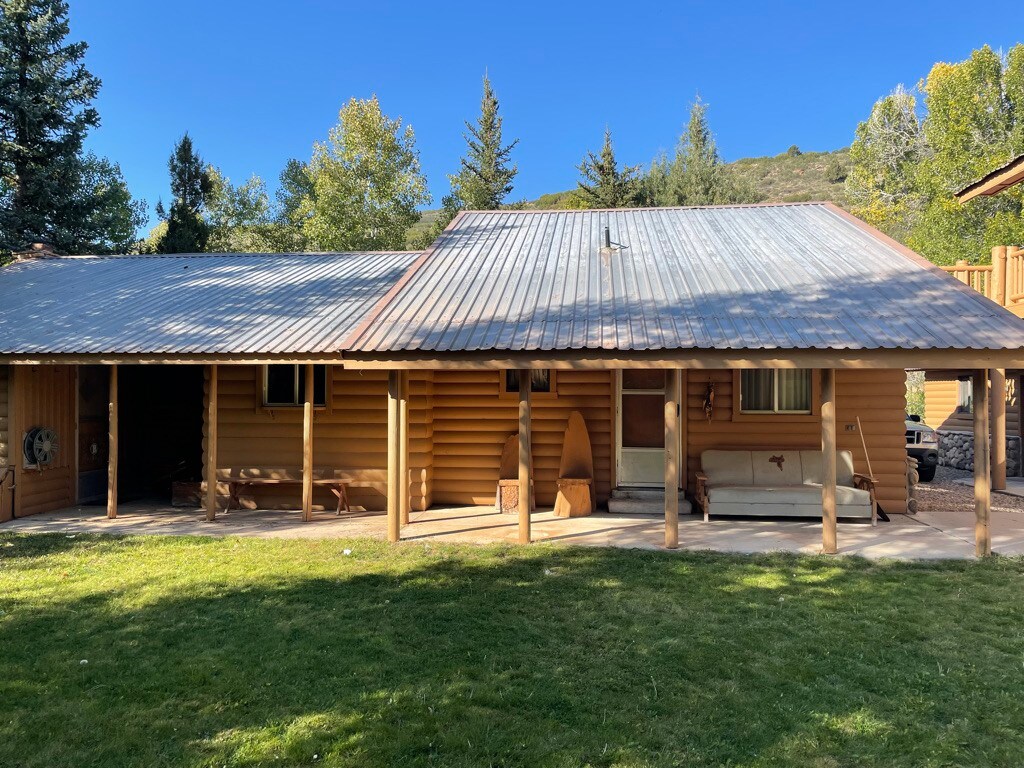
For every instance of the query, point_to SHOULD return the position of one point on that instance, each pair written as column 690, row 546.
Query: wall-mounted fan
column 40, row 446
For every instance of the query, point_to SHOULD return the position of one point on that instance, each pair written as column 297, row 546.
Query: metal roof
column 994, row 182
column 804, row 276
column 192, row 304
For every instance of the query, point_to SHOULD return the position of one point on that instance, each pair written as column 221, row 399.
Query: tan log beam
column 525, row 451
column 982, row 468
column 211, row 442
column 394, row 460
column 828, row 462
column 998, row 429
column 403, row 450
column 112, row 445
column 671, row 459
column 307, row 447
column 999, row 275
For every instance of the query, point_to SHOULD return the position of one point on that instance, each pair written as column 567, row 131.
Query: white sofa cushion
column 727, row 467
column 776, row 467
column 811, row 463
column 786, row 494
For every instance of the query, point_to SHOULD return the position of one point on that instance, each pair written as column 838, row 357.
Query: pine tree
column 485, row 178
column 603, row 184
column 45, row 112
column 191, row 187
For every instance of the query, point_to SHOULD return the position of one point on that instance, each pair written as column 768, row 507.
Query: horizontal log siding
column 940, row 396
column 351, row 435
column 43, row 396
column 877, row 396
column 472, row 419
column 5, row 442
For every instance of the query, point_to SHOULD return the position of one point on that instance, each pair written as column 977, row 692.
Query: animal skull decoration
column 777, row 461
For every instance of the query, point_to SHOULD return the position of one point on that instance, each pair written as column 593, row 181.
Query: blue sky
column 258, row 82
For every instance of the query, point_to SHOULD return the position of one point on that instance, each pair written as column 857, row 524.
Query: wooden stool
column 576, row 471
column 506, row 499
column 574, row 497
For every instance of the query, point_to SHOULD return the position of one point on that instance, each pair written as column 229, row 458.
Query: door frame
column 681, row 448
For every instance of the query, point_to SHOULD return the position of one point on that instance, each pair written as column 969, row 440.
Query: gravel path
column 944, row 494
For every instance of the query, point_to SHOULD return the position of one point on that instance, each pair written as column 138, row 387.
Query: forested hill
column 793, row 176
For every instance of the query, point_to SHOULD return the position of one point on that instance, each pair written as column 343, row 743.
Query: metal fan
column 40, row 446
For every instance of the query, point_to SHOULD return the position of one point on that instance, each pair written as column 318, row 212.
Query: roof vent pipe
column 607, row 237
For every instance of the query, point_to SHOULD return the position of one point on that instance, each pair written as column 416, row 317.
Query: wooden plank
column 403, row 449
column 525, row 468
column 112, row 446
column 671, row 459
column 211, row 442
column 394, row 477
column 307, row 447
column 828, row 461
column 998, row 395
column 982, row 466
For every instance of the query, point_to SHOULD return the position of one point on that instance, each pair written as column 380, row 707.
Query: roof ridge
column 232, row 254
column 717, row 206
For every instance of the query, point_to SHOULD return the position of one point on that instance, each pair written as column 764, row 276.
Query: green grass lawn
column 245, row 652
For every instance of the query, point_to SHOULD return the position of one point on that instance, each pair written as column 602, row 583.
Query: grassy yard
column 240, row 652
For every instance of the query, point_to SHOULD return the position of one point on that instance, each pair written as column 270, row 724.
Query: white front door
column 641, row 428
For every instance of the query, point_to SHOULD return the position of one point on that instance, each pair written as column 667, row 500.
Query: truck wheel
column 927, row 474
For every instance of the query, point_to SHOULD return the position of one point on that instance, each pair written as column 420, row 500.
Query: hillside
column 786, row 178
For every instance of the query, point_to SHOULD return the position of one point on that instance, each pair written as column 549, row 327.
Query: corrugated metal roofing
column 754, row 277
column 192, row 304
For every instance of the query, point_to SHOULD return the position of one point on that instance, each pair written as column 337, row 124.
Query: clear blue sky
column 258, row 82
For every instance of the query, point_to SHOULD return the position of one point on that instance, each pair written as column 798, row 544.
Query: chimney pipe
column 607, row 237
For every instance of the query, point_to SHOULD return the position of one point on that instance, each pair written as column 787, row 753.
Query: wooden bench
column 337, row 486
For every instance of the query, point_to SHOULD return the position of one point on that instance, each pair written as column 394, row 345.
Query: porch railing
column 1002, row 281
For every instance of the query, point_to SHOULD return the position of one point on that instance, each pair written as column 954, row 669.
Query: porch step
column 642, row 501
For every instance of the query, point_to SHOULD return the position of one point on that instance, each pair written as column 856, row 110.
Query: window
column 542, row 381
column 777, row 390
column 965, row 396
column 284, row 386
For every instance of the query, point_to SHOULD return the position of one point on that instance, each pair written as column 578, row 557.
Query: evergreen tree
column 191, row 188
column 603, row 183
column 697, row 175
column 485, row 178
column 49, row 190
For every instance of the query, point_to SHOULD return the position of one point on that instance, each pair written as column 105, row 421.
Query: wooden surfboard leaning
column 576, row 471
column 507, row 496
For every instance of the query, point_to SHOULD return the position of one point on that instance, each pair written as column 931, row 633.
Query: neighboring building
column 776, row 327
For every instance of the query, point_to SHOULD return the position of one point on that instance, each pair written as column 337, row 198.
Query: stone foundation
column 956, row 449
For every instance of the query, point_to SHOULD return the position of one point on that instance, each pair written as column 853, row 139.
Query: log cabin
column 391, row 381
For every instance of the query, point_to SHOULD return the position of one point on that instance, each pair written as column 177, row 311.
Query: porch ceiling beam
column 696, row 360
column 672, row 459
column 982, row 466
column 211, row 442
column 525, row 455
column 394, row 476
column 828, row 461
column 307, row 447
column 112, row 427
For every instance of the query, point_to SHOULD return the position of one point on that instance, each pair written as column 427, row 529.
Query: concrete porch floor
column 928, row 535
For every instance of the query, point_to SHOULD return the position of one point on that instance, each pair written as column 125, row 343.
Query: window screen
column 776, row 391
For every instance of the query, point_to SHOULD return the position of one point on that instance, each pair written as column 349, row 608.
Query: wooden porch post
column 982, row 468
column 307, row 447
column 525, row 473
column 403, row 450
column 211, row 442
column 998, row 429
column 671, row 459
column 999, row 292
column 828, row 461
column 112, row 446
column 394, row 479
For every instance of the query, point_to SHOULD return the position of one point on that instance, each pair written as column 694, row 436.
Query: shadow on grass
column 246, row 652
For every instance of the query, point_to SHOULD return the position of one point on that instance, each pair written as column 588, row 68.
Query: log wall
column 351, row 434
column 877, row 396
column 5, row 442
column 472, row 419
column 940, row 400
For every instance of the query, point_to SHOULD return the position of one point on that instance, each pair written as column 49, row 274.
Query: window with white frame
column 965, row 396
column 776, row 390
column 284, row 386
